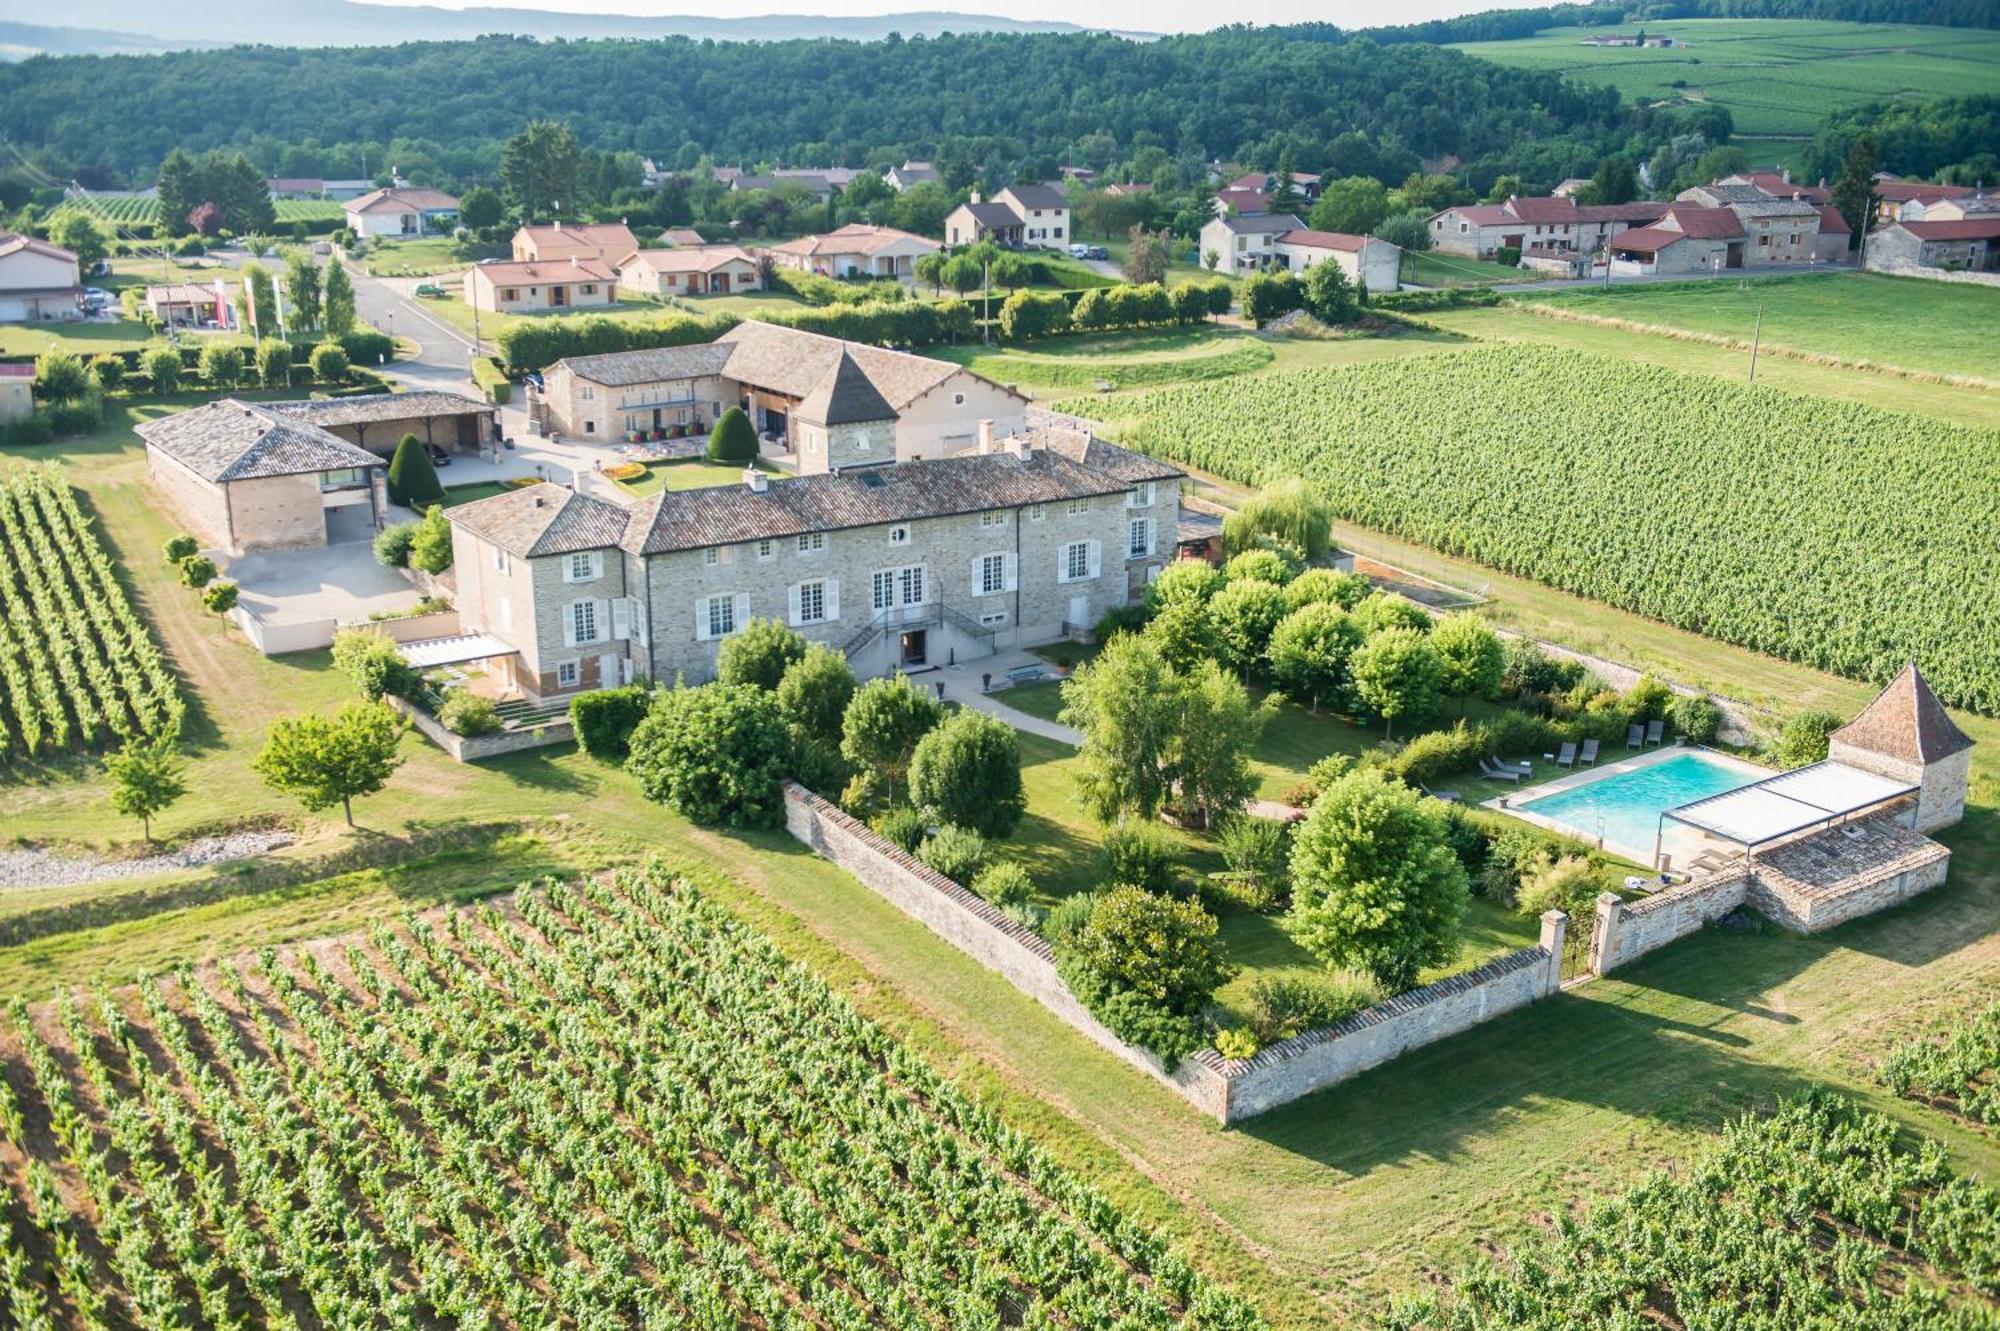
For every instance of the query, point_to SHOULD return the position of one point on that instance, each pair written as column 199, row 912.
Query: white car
column 1079, row 251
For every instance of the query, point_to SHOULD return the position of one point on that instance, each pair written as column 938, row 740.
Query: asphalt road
column 444, row 356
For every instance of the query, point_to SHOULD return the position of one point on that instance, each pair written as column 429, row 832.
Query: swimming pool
column 1623, row 808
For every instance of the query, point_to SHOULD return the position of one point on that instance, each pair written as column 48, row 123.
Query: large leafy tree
column 1354, row 205
column 1329, row 294
column 146, row 778
column 1124, row 703
column 1210, row 762
column 1310, row 649
column 1374, row 881
column 1472, row 656
column 1854, row 192
column 302, row 287
column 337, row 303
column 1245, row 613
column 1397, row 674
column 539, row 168
column 326, row 760
column 759, row 654
column 719, row 753
column 884, row 723
column 967, row 771
column 77, row 232
column 179, row 185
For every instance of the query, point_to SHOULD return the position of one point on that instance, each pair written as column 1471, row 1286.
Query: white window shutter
column 1148, row 529
column 1093, row 551
column 930, row 587
column 742, row 612
column 701, row 618
column 621, row 619
column 792, row 604
column 978, row 579
column 1011, row 564
column 833, row 598
column 569, row 624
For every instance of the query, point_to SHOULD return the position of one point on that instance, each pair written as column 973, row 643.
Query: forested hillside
column 1027, row 97
column 1495, row 25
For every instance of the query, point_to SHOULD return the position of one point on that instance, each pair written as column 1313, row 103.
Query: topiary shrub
column 412, row 478
column 733, row 440
column 179, row 548
column 1142, row 855
column 329, row 363
column 219, row 597
column 197, row 571
column 1007, row 885
column 371, row 661
column 715, row 754
column 467, row 713
column 109, row 370
column 163, row 369
column 604, row 719
column 956, row 852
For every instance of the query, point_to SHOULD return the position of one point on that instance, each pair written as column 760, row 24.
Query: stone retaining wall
column 472, row 748
column 1228, row 1090
column 1626, row 931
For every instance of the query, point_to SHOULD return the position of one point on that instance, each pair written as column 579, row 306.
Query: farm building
column 1971, row 244
column 38, row 281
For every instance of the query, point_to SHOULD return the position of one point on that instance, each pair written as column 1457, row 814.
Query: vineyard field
column 78, row 669
column 606, row 1105
column 1811, row 1219
column 1839, row 535
column 1959, row 1074
column 128, row 211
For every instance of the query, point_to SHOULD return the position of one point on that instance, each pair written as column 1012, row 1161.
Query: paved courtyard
column 339, row 581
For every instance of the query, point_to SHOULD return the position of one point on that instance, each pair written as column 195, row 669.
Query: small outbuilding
column 1906, row 735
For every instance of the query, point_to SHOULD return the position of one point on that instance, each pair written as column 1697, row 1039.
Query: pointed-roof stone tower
column 1907, row 734
column 844, row 421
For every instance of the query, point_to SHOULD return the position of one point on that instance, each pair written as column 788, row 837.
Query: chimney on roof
column 975, row 196
column 986, row 436
column 756, row 480
column 540, row 501
column 1018, row 447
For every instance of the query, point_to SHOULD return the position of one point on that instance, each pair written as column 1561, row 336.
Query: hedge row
column 486, row 372
column 1445, row 298
column 527, row 347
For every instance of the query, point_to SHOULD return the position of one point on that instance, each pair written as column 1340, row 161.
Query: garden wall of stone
column 1628, row 930
column 1228, row 1090
column 471, row 748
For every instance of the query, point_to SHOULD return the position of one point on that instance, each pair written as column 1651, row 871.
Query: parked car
column 1079, row 251
column 1098, row 252
column 430, row 291
column 95, row 298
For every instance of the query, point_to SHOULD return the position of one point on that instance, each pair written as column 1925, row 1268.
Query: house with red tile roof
column 690, row 270
column 856, row 249
column 1969, row 244
column 538, row 286
column 606, row 242
column 1545, row 222
column 1367, row 260
column 401, row 212
column 1910, row 200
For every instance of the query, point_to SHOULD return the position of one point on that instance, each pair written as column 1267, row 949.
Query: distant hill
column 120, row 27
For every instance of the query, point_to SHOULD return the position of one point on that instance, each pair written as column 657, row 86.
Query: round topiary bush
column 733, row 440
column 197, row 571
column 180, row 547
column 219, row 597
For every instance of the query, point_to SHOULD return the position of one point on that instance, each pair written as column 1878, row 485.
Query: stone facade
column 582, row 409
column 533, row 605
column 957, row 617
column 1941, row 786
column 1626, row 931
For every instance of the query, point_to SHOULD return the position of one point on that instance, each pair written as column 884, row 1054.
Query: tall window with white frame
column 1139, row 538
column 812, row 602
column 721, row 616
column 992, row 574
column 583, row 621
column 1076, row 561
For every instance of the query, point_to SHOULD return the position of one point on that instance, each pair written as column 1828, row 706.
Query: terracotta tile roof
column 854, row 238
column 543, row 519
column 11, row 243
column 1778, row 187
column 1244, row 200
column 618, row 369
column 1540, row 210
column 1970, row 228
column 186, row 293
column 1699, row 222
column 900, row 492
column 1324, row 240
column 521, row 272
column 423, row 200
column 1903, row 191
column 1647, row 239
column 612, row 237
column 1481, row 214
column 1642, row 212
column 681, row 235
column 692, row 259
column 1723, row 195
column 844, row 397
column 1906, row 722
column 1831, row 223
column 794, row 362
column 229, row 440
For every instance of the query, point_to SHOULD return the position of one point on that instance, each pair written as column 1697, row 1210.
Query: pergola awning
column 428, row 652
column 1790, row 802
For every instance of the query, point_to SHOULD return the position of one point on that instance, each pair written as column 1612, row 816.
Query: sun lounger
column 1635, row 736
column 1567, row 758
column 1709, row 861
column 1443, row 796
column 1655, row 731
column 1589, row 756
column 1493, row 770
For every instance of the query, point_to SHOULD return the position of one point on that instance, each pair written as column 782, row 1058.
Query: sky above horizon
column 1137, row 15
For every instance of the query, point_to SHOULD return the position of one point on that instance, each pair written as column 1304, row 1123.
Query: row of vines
column 1814, row 1218
column 78, row 670
column 610, row 1105
column 127, row 210
column 1959, row 1073
column 1832, row 533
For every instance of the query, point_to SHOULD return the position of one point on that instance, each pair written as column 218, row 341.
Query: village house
column 1019, row 542
column 1900, row 200
column 38, row 281
column 1780, row 185
column 1961, row 207
column 783, row 378
column 1246, row 242
column 900, row 178
column 695, row 270
column 1019, row 215
column 606, row 242
column 1970, row 244
column 1480, row 231
column 1266, row 183
column 678, row 237
column 1246, row 202
column 191, row 305
column 855, row 250
column 505, row 287
column 1367, row 261
column 401, row 212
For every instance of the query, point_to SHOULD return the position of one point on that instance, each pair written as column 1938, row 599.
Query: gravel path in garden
column 47, row 868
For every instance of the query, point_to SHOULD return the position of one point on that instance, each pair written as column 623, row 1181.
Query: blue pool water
column 1624, row 807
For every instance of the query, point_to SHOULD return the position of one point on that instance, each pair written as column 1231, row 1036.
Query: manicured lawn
column 1207, row 353
column 423, row 257
column 1455, row 270
column 454, row 495
column 1941, row 327
column 695, row 474
column 453, row 310
column 85, row 337
column 748, row 304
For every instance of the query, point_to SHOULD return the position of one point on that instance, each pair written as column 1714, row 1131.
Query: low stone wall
column 413, row 628
column 274, row 639
column 472, row 748
column 1229, row 1090
column 1317, row 1059
column 1904, row 268
column 1626, row 931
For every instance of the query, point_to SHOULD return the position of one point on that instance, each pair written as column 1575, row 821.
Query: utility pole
column 986, row 299
column 1756, row 340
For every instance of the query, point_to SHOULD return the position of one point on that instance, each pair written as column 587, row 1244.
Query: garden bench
column 1024, row 674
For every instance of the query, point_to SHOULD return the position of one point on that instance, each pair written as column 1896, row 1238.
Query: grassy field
column 1776, row 76
column 1905, row 322
column 423, row 257
column 1456, row 270
column 1319, row 1210
column 1119, row 361
column 694, row 474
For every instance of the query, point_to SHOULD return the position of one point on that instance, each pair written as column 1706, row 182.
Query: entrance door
column 719, row 284
column 1735, row 259
column 1079, row 611
column 609, row 674
column 558, row 296
column 916, row 646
